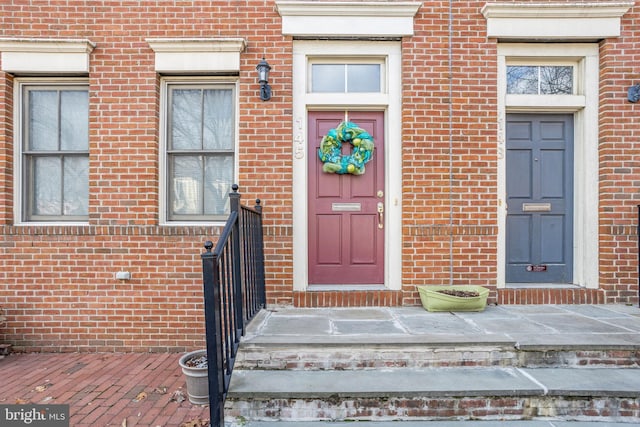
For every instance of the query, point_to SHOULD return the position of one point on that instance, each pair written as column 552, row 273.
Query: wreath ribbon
column 330, row 151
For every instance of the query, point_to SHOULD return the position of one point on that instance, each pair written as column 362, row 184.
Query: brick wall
column 6, row 148
column 449, row 142
column 57, row 283
column 619, row 172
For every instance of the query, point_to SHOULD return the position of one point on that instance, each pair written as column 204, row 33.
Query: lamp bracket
column 633, row 94
column 265, row 92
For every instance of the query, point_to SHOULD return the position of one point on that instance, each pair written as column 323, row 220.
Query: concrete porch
column 535, row 364
column 517, row 325
column 516, row 366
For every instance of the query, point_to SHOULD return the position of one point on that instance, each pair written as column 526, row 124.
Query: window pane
column 218, row 119
column 540, row 80
column 76, row 186
column 43, row 120
column 186, row 185
column 363, row 78
column 186, row 119
column 522, row 80
column 47, row 188
column 74, row 120
column 327, row 78
column 218, row 177
column 556, row 80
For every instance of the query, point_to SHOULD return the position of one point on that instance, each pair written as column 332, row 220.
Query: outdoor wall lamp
column 263, row 68
column 633, row 95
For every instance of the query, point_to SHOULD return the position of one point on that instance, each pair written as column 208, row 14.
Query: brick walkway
column 102, row 389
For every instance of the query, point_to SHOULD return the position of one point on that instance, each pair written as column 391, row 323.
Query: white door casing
column 584, row 106
column 351, row 20
column 389, row 101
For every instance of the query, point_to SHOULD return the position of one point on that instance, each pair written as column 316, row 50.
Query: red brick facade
column 57, row 282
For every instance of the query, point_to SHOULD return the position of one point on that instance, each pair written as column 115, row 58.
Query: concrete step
column 478, row 393
column 367, row 355
column 410, row 337
column 355, row 354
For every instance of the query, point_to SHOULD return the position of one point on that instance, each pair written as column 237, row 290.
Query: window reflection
column 539, row 80
column 556, row 80
column 55, row 153
column 200, row 152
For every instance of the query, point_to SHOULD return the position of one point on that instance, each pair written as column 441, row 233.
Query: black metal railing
column 234, row 291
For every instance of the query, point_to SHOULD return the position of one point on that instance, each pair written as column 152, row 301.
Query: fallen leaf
column 141, row 396
column 124, row 423
column 43, row 387
column 195, row 423
column 160, row 390
column 21, row 401
column 178, row 396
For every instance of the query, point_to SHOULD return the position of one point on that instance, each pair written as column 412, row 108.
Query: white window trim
column 576, row 21
column 584, row 106
column 335, row 19
column 18, row 184
column 46, row 56
column 389, row 101
column 183, row 56
column 162, row 173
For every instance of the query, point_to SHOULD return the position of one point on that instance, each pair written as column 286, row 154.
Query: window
column 345, row 78
column 540, row 79
column 55, row 152
column 200, row 144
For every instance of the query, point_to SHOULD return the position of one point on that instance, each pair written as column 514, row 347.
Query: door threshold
column 542, row 286
column 346, row 288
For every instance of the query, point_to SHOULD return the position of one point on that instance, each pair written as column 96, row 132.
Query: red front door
column 346, row 227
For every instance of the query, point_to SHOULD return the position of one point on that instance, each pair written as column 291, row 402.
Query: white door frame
column 584, row 106
column 390, row 101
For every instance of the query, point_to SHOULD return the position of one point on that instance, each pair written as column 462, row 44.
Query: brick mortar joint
column 448, row 230
column 621, row 230
column 110, row 230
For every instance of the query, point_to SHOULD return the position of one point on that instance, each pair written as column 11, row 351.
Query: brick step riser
column 357, row 357
column 618, row 409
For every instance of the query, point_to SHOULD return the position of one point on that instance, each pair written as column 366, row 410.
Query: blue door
column 539, row 232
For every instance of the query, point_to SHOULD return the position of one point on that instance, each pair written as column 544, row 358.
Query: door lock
column 380, row 215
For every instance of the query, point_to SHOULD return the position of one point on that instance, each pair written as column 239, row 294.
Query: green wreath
column 330, row 151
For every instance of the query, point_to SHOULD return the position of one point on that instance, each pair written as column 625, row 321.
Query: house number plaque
column 537, row 268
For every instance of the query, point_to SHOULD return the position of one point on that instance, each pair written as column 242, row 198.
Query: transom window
column 200, row 146
column 346, row 77
column 55, row 152
column 540, row 79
